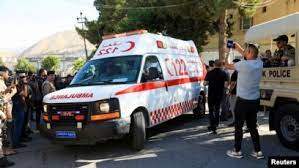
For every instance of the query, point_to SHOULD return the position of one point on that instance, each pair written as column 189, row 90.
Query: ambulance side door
column 157, row 94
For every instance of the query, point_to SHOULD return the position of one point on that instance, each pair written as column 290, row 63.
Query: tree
column 219, row 7
column 23, row 64
column 184, row 19
column 78, row 64
column 1, row 61
column 51, row 63
column 108, row 21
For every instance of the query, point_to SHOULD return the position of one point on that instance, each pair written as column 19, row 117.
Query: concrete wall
column 276, row 10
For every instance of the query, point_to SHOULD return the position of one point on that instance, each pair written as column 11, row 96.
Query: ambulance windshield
column 112, row 70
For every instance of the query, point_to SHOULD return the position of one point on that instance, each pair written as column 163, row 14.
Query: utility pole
column 81, row 20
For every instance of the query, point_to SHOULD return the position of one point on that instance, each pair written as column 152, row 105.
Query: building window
column 246, row 23
column 264, row 10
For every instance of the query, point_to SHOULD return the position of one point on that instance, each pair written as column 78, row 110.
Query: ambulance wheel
column 287, row 125
column 137, row 131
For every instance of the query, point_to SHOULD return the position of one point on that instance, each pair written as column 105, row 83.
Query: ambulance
column 135, row 80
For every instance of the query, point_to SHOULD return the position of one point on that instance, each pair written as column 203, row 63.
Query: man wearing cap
column 37, row 86
column 19, row 106
column 248, row 94
column 285, row 53
column 48, row 86
column 5, row 112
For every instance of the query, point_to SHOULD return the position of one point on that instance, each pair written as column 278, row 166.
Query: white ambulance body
column 134, row 81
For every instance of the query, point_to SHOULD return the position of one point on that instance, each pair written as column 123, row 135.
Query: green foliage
column 185, row 19
column 78, row 64
column 1, row 61
column 51, row 62
column 190, row 21
column 23, row 64
column 108, row 22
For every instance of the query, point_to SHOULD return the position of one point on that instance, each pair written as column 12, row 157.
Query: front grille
column 71, row 110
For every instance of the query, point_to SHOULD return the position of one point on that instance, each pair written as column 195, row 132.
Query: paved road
column 179, row 143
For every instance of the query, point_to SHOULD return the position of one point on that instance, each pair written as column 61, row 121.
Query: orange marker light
column 55, row 117
column 46, row 118
column 108, row 116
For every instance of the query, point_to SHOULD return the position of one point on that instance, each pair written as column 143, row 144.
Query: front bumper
column 90, row 133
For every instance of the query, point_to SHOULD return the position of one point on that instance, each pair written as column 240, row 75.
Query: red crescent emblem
column 132, row 45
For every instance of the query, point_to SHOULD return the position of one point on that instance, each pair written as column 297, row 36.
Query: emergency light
column 124, row 34
column 160, row 44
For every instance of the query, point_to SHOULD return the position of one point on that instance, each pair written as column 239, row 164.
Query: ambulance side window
column 152, row 70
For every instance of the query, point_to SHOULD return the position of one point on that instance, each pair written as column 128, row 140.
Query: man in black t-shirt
column 217, row 80
column 233, row 92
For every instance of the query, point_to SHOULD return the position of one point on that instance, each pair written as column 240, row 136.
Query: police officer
column 5, row 109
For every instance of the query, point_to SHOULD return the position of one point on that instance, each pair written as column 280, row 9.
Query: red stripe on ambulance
column 158, row 84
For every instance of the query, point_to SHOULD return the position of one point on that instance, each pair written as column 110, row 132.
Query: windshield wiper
column 97, row 83
column 79, row 84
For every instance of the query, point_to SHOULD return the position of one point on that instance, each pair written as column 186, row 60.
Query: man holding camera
column 248, row 95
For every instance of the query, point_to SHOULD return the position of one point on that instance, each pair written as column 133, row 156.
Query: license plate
column 66, row 134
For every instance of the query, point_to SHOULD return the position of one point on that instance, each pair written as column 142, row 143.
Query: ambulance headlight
column 104, row 107
column 45, row 108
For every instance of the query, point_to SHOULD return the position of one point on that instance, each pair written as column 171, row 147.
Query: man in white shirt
column 248, row 94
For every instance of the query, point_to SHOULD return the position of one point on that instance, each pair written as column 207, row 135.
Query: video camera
column 230, row 44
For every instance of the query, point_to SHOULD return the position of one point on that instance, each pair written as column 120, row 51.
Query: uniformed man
column 5, row 109
column 285, row 52
column 48, row 86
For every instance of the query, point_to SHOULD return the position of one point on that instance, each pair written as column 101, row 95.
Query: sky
column 25, row 22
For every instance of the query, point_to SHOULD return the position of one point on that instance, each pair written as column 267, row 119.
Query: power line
column 151, row 7
column 259, row 5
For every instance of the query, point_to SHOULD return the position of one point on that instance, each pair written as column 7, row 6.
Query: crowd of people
column 222, row 95
column 21, row 96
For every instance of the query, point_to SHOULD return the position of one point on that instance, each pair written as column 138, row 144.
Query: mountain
column 9, row 58
column 68, row 43
column 4, row 53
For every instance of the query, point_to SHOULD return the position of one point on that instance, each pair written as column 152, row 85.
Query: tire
column 199, row 111
column 287, row 125
column 137, row 131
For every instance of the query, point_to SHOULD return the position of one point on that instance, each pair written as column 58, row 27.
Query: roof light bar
column 124, row 34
